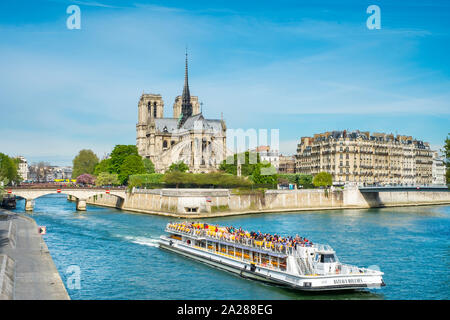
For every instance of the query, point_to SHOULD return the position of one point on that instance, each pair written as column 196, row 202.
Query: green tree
column 323, row 179
column 175, row 177
column 107, row 179
column 84, row 162
column 447, row 158
column 148, row 165
column 178, row 166
column 447, row 149
column 8, row 170
column 305, row 180
column 131, row 165
column 264, row 173
column 145, row 180
column 119, row 154
column 287, row 178
column 103, row 166
column 247, row 160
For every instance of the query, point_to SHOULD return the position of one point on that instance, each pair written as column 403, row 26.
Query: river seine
column 116, row 255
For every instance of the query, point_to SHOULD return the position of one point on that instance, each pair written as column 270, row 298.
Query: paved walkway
column 34, row 275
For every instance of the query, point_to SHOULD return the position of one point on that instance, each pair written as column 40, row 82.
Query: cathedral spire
column 186, row 105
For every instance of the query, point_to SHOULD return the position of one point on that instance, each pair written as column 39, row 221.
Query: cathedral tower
column 150, row 107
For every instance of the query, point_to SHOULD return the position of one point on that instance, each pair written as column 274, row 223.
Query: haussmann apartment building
column 366, row 159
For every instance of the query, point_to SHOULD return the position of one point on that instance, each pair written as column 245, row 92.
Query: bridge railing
column 64, row 186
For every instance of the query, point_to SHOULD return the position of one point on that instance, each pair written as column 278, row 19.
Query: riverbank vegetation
column 244, row 172
column 9, row 170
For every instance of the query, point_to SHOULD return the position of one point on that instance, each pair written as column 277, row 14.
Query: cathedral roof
column 170, row 125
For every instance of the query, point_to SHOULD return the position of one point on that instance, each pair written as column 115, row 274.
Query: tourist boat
column 304, row 266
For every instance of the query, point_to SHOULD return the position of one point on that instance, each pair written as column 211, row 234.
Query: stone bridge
column 81, row 194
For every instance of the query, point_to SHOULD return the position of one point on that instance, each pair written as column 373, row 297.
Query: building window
column 155, row 108
column 164, row 144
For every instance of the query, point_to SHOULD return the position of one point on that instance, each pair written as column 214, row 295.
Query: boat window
column 327, row 258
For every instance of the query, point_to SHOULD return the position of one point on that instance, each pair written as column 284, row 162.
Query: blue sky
column 302, row 67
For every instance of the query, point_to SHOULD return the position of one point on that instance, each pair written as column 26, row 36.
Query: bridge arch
column 81, row 195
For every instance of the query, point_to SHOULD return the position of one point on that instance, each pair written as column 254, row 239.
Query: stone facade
column 286, row 164
column 438, row 169
column 23, row 168
column 361, row 158
column 268, row 155
column 187, row 137
column 177, row 106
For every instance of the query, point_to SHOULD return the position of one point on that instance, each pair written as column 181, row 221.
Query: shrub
column 264, row 173
column 107, row 179
column 213, row 179
column 86, row 179
column 147, row 180
column 179, row 167
column 305, row 180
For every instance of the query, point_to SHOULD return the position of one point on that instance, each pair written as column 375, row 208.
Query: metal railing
column 269, row 247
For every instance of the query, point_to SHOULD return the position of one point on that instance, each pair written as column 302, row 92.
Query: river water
column 116, row 255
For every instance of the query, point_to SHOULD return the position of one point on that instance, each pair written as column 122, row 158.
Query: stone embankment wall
column 221, row 202
column 395, row 198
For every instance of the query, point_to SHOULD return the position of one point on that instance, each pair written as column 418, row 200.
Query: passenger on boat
column 231, row 233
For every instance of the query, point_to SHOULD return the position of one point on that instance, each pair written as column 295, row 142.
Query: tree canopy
column 323, row 179
column 145, row 180
column 131, row 165
column 119, row 154
column 86, row 178
column 305, row 180
column 247, row 160
column 84, row 162
column 124, row 161
column 264, row 173
column 8, row 170
column 211, row 179
column 178, row 166
column 301, row 180
column 107, row 179
column 148, row 165
column 103, row 166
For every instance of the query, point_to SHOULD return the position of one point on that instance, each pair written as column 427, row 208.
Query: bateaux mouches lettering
column 348, row 281
column 194, row 310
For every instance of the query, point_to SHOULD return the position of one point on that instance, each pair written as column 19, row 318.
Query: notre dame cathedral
column 187, row 137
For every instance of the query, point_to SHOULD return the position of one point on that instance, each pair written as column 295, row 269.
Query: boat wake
column 151, row 242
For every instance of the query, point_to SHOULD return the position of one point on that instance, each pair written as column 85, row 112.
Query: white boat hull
column 244, row 269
